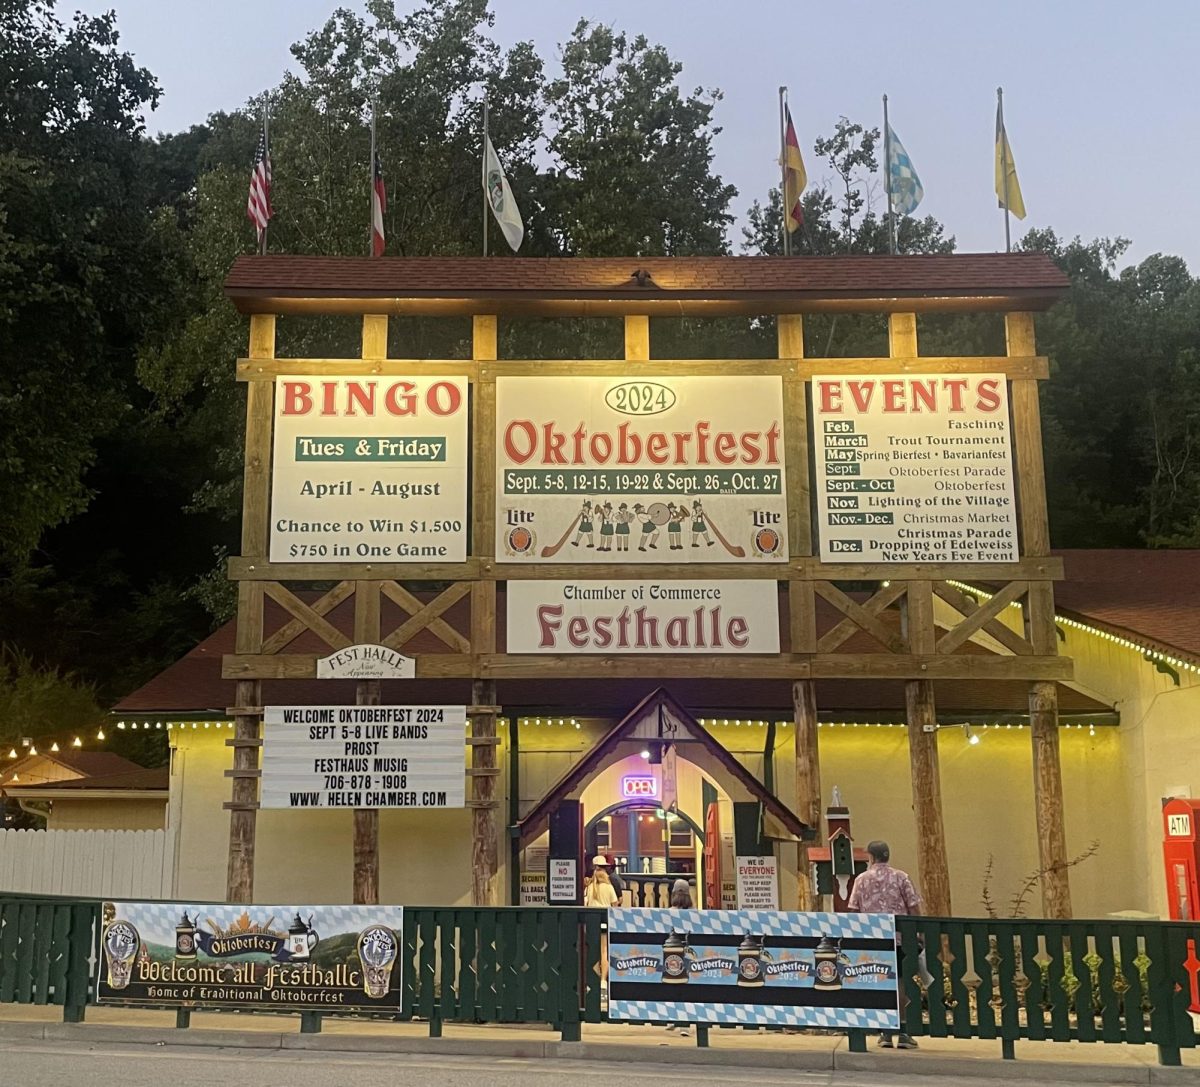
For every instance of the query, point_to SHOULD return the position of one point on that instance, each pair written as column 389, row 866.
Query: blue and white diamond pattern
column 697, row 923
column 905, row 184
column 766, row 1015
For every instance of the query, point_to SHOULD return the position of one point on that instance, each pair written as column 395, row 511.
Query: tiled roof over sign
column 762, row 284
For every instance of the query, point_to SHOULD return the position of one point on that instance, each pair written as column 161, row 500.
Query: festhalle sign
column 914, row 468
column 364, row 757
column 369, row 469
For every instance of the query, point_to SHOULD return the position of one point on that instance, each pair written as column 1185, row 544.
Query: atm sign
column 639, row 787
column 1179, row 826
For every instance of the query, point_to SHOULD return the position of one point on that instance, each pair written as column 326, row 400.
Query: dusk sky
column 1101, row 98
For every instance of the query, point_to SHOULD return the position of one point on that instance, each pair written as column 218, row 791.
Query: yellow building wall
column 99, row 814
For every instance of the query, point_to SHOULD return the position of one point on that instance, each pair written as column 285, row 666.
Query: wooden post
column 484, row 826
column 1039, row 628
column 368, row 692
column 808, row 781
column 920, row 706
column 260, row 402
column 637, row 337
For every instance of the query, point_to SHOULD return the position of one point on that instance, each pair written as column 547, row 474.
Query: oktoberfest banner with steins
column 660, row 469
column 294, row 957
column 753, row 967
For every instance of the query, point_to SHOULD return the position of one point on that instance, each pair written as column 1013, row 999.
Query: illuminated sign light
column 639, row 787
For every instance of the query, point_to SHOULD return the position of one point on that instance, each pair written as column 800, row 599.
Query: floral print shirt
column 884, row 889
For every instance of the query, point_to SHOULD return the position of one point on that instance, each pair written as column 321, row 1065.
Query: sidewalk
column 1044, row 1061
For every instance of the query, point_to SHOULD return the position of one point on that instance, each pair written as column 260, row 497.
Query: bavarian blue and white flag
column 905, row 185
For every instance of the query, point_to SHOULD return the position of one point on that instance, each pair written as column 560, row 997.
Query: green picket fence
column 1083, row 981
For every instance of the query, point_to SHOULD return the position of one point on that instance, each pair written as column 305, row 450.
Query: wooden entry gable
column 659, row 718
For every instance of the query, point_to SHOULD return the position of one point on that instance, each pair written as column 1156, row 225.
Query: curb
column 834, row 1060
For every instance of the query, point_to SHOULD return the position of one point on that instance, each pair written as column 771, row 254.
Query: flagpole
column 262, row 242
column 371, row 189
column 887, row 178
column 783, row 169
column 1002, row 135
column 483, row 151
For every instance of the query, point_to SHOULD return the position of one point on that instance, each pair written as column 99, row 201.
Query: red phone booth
column 1181, row 856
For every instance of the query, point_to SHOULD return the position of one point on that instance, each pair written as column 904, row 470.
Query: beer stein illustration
column 302, row 937
column 185, row 938
column 827, row 964
column 675, row 954
column 751, row 955
column 121, row 944
column 377, row 950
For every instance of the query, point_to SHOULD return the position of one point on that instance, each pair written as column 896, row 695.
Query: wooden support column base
column 808, row 783
column 1048, row 801
column 368, row 692
column 484, row 848
column 243, row 816
column 932, row 867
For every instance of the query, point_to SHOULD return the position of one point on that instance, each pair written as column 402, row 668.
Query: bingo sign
column 295, row 957
column 914, row 469
column 640, row 469
column 753, row 968
column 369, row 469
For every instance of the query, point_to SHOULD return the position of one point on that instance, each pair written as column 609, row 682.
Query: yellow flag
column 795, row 176
column 1008, row 188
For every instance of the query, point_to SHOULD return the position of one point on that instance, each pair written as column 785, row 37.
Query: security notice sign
column 640, row 469
column 369, row 468
column 364, row 757
column 914, row 469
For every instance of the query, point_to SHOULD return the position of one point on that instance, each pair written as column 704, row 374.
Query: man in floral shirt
column 884, row 889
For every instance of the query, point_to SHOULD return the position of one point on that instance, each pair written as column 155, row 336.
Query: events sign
column 364, row 757
column 640, row 469
column 293, row 957
column 757, row 883
column 611, row 617
column 369, row 469
column 914, row 469
column 753, row 967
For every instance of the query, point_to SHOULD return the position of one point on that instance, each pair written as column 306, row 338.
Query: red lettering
column 861, row 393
column 629, row 446
column 893, row 396
column 515, row 430
column 549, row 617
column 361, row 397
column 297, row 398
column 738, row 632
column 657, row 448
column 957, row 386
column 988, row 395
column 831, row 397
column 577, row 631
column 603, row 631
column 329, row 398
column 443, row 398
column 924, row 395
column 773, row 444
column 555, row 440
column 676, row 632
column 726, row 448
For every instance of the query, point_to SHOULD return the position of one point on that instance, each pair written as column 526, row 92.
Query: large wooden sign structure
column 663, row 483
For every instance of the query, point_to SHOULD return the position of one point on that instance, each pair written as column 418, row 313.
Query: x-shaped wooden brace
column 422, row 616
column 861, row 617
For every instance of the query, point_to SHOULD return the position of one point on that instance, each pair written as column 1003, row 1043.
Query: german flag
column 795, row 177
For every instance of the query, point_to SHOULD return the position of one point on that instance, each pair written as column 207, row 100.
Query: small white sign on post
column 757, row 883
column 563, row 884
column 366, row 662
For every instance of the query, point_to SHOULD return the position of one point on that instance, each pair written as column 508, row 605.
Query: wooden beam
column 245, row 569
column 637, row 338
column 484, row 337
column 484, row 835
column 1048, row 801
column 981, row 616
column 319, row 625
column 256, row 477
column 374, row 336
column 862, row 616
column 292, row 630
column 425, row 616
column 789, row 331
column 808, row 782
column 367, row 692
column 932, row 866
column 902, row 335
column 802, row 616
column 239, row 876
column 966, row 605
column 259, row 370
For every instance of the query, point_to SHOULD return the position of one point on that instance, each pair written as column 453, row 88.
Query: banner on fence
column 294, row 957
column 753, row 967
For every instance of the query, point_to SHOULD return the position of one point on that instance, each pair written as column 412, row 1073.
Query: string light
column 77, row 742
column 54, row 747
column 12, row 753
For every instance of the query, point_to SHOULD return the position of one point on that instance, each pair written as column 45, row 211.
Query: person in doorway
column 614, row 877
column 681, row 899
column 600, row 891
column 884, row 889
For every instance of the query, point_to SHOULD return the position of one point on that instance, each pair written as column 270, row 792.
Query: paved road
column 42, row 1064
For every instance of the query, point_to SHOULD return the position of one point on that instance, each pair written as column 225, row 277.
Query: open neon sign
column 639, row 787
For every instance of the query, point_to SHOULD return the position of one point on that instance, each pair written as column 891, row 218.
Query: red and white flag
column 258, row 207
column 378, row 207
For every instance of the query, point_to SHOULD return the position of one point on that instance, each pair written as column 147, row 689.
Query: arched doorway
column 650, row 847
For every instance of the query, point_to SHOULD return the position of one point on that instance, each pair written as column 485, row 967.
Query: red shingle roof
column 133, row 780
column 757, row 284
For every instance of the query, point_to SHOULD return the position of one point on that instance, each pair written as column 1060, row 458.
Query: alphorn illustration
column 735, row 550
column 550, row 550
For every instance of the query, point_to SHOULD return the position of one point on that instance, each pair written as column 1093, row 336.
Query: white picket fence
column 90, row 863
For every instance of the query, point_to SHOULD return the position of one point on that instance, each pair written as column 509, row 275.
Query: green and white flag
column 500, row 197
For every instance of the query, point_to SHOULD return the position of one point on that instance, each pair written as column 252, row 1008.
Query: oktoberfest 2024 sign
column 364, row 757
column 369, row 469
column 297, row 957
column 914, row 469
column 640, row 469
column 753, row 967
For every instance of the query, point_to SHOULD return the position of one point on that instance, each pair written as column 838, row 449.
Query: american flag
column 378, row 207
column 258, row 207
